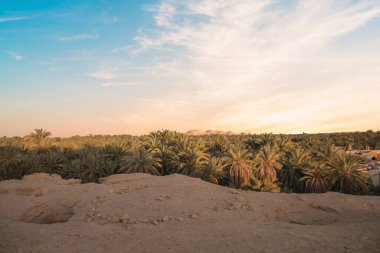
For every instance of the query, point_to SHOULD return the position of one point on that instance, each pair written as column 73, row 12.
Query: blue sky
column 112, row 67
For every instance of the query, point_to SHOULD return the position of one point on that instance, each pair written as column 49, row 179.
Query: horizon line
column 227, row 133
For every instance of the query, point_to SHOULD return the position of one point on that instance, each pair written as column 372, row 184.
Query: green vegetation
column 309, row 163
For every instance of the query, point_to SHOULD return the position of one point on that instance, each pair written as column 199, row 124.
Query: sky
column 130, row 67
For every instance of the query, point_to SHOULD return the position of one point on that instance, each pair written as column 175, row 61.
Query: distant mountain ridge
column 208, row 132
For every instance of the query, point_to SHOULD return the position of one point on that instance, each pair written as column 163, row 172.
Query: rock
column 324, row 208
column 115, row 219
column 234, row 192
column 165, row 219
column 194, row 216
column 88, row 219
column 125, row 217
column 102, row 222
column 180, row 219
column 154, row 222
column 235, row 206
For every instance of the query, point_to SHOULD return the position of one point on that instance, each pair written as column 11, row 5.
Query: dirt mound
column 144, row 213
column 195, row 132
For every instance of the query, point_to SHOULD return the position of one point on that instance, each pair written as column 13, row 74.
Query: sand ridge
column 144, row 213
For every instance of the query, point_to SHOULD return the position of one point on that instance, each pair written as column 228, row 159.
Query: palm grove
column 266, row 162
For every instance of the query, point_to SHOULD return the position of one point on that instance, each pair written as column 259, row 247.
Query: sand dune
column 143, row 213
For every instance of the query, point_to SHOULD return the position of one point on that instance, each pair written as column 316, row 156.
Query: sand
column 144, row 213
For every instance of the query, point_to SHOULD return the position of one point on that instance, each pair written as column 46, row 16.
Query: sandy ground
column 143, row 213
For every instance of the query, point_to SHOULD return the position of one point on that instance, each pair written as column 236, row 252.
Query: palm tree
column 315, row 179
column 141, row 161
column 110, row 167
column 267, row 164
column 134, row 144
column 167, row 157
column 284, row 143
column 72, row 169
column 254, row 143
column 153, row 142
column 346, row 175
column 239, row 162
column 11, row 160
column 214, row 169
column 52, row 162
column 191, row 161
column 267, row 139
column 117, row 148
column 90, row 167
column 292, row 169
column 166, row 136
column 325, row 152
column 218, row 146
column 39, row 134
column 184, row 143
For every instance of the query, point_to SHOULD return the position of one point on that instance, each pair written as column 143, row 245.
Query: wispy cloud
column 10, row 19
column 250, row 64
column 101, row 74
column 15, row 55
column 83, row 36
column 118, row 84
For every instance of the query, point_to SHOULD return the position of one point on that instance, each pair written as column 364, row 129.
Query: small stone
column 154, row 222
column 125, row 217
column 132, row 221
column 160, row 198
column 194, row 216
column 145, row 220
column 88, row 219
column 165, row 219
column 115, row 219
column 180, row 219
column 102, row 222
column 235, row 206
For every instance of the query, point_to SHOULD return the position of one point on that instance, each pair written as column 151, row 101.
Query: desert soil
column 144, row 213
